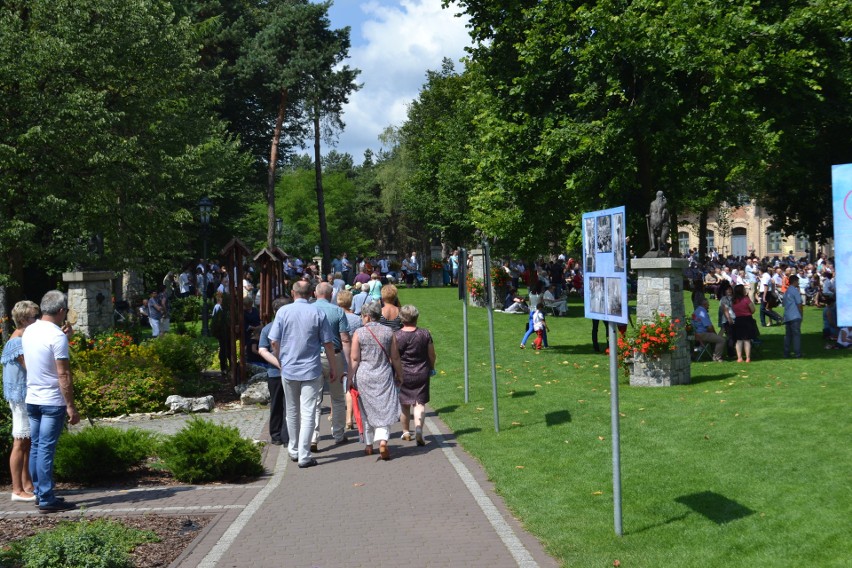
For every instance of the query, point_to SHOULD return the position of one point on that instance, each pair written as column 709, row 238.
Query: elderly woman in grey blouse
column 15, row 391
column 375, row 366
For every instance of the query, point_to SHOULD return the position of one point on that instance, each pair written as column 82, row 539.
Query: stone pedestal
column 661, row 291
column 90, row 295
column 436, row 276
column 478, row 272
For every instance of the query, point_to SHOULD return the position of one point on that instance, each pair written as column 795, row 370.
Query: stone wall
column 90, row 295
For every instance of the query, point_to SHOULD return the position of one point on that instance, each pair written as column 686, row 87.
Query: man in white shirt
column 551, row 301
column 50, row 395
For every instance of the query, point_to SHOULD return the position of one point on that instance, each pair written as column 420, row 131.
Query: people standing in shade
column 417, row 358
column 340, row 354
column 454, row 267
column 50, row 394
column 15, row 391
column 793, row 312
column 344, row 300
column 156, row 310
column 277, row 424
column 745, row 328
column 298, row 334
column 374, row 364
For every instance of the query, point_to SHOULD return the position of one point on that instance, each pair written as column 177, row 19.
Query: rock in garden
column 255, row 393
column 181, row 404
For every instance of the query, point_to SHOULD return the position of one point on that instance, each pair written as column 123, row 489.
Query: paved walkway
column 428, row 506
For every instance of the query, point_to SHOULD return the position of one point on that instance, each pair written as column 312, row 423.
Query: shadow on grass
column 447, row 409
column 695, row 379
column 521, row 394
column 715, row 507
column 462, row 432
column 558, row 417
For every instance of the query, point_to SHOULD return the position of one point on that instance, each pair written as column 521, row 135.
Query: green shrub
column 5, row 437
column 95, row 544
column 111, row 382
column 185, row 309
column 100, row 452
column 203, row 451
column 185, row 356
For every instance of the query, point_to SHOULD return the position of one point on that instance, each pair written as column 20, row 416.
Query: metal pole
column 466, row 367
column 486, row 264
column 205, row 330
column 616, row 439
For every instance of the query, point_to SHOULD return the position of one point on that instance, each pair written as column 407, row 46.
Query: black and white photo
column 613, row 296
column 618, row 243
column 590, row 245
column 604, row 234
column 597, row 301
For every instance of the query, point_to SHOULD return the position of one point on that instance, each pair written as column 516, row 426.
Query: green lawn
column 749, row 465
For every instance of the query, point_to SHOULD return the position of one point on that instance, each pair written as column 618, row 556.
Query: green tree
column 107, row 136
column 437, row 135
column 580, row 106
column 291, row 54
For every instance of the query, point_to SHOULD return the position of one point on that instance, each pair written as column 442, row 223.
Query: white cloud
column 402, row 40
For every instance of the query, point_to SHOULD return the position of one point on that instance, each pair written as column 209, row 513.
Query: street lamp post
column 279, row 228
column 205, row 206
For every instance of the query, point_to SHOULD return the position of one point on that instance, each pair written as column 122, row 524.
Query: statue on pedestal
column 658, row 228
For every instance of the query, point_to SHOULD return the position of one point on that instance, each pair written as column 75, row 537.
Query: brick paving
column 427, row 506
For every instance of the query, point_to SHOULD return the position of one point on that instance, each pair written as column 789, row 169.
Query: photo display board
column 605, row 265
column 841, row 181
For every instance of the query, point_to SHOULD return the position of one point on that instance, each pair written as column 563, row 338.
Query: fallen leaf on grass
column 598, row 493
column 479, row 408
column 516, row 423
column 622, row 415
column 595, row 366
column 581, row 401
column 565, row 362
column 719, row 392
column 442, row 372
column 601, row 438
column 519, row 467
column 537, row 386
column 616, row 563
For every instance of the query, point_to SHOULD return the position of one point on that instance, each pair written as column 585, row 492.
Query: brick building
column 742, row 230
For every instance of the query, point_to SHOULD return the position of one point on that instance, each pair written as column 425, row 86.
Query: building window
column 774, row 241
column 802, row 243
column 683, row 243
column 711, row 240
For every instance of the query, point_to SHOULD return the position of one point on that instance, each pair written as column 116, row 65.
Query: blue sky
column 394, row 43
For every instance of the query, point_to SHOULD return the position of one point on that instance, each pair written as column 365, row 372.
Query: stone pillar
column 478, row 272
column 90, row 295
column 661, row 291
column 436, row 277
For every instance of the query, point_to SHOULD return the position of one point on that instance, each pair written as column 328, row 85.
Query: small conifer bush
column 101, row 452
column 203, row 451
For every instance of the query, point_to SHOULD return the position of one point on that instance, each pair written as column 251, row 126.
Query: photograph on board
column 604, row 234
column 597, row 299
column 618, row 244
column 590, row 245
column 613, row 293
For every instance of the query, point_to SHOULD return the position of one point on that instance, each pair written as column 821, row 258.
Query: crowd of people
column 749, row 286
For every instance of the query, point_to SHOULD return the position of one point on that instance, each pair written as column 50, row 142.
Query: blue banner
column 605, row 265
column 841, row 181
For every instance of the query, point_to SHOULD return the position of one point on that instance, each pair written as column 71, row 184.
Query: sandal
column 368, row 451
column 384, row 453
column 407, row 436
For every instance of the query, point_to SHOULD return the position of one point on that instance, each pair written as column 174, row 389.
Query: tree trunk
column 326, row 246
column 640, row 200
column 702, row 237
column 270, row 179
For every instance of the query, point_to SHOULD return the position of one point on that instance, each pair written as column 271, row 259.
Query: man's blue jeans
column 46, row 423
